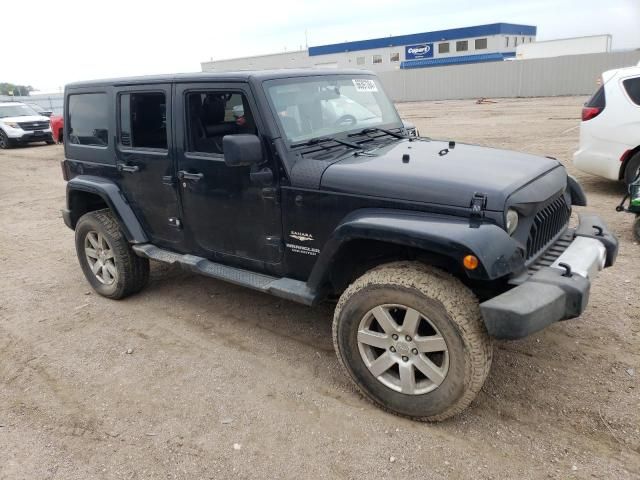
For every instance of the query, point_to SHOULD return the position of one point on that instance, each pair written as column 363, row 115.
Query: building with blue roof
column 481, row 43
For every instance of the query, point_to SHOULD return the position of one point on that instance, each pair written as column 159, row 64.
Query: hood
column 429, row 177
column 25, row 118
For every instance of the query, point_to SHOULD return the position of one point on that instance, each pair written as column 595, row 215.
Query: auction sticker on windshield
column 365, row 85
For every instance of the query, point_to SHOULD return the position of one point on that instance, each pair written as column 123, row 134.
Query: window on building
column 360, row 61
column 632, row 86
column 143, row 120
column 376, row 59
column 481, row 43
column 443, row 47
column 522, row 40
column 515, row 41
column 394, row 57
column 88, row 119
column 213, row 114
column 462, row 45
column 506, row 42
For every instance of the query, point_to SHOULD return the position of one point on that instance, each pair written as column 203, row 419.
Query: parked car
column 429, row 247
column 42, row 111
column 20, row 124
column 610, row 128
column 57, row 127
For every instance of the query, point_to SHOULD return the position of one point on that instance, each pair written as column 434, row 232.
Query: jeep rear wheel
column 107, row 260
column 412, row 339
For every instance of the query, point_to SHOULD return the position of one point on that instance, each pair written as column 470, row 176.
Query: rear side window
column 88, row 119
column 632, row 86
column 143, row 120
column 598, row 99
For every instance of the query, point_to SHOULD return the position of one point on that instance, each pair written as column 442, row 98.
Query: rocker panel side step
column 286, row 288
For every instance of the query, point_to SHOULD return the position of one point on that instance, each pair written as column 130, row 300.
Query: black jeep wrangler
column 306, row 185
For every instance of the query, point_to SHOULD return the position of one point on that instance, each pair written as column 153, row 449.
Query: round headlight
column 512, row 221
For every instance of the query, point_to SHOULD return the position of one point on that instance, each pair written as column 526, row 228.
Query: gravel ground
column 223, row 382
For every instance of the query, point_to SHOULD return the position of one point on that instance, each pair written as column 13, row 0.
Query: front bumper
column 28, row 137
column 556, row 292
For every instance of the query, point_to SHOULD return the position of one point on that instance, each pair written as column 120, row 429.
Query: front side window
column 377, row 59
column 481, row 43
column 88, row 119
column 143, row 120
column 315, row 107
column 394, row 57
column 462, row 46
column 632, row 86
column 443, row 47
column 213, row 114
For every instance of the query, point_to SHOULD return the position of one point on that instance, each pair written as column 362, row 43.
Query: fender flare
column 578, row 197
column 113, row 197
column 450, row 236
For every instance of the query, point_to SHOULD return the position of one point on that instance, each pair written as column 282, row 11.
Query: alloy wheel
column 403, row 349
column 100, row 257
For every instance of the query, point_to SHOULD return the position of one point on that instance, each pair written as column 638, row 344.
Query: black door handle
column 189, row 176
column 128, row 168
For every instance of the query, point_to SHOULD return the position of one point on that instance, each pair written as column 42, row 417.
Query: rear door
column 145, row 160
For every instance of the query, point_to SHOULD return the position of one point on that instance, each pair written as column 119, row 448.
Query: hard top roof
column 240, row 76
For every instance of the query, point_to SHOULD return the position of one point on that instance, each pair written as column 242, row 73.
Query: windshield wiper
column 365, row 131
column 320, row 140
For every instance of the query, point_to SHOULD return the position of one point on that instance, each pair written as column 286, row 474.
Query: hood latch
column 478, row 206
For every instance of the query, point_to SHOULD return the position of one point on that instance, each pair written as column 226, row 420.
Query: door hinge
column 175, row 222
column 478, row 206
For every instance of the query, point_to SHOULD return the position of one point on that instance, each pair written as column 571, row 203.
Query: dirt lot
column 213, row 365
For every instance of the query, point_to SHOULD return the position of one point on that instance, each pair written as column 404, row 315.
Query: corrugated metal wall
column 541, row 77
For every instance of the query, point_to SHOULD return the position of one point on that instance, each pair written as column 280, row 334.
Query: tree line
column 17, row 90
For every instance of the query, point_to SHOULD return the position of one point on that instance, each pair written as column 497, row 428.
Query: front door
column 145, row 160
column 228, row 215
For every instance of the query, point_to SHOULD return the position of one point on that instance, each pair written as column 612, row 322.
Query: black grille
column 547, row 224
column 31, row 126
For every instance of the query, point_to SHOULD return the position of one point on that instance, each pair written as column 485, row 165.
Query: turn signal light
column 470, row 262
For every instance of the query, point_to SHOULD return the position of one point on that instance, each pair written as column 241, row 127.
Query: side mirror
column 242, row 150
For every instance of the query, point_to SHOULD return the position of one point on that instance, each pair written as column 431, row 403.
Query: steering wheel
column 346, row 121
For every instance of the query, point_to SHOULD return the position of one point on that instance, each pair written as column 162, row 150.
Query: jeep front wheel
column 412, row 339
column 107, row 260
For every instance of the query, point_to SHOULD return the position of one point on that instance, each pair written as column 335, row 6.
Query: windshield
column 16, row 111
column 315, row 107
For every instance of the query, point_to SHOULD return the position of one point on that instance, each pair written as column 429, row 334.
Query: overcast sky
column 52, row 43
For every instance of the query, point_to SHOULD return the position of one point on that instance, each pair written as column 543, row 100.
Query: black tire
column 5, row 142
column 131, row 271
column 51, row 141
column 636, row 228
column 448, row 305
column 632, row 169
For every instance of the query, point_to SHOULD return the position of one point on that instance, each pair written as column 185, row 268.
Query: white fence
column 542, row 77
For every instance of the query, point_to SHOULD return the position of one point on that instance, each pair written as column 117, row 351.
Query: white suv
column 610, row 128
column 19, row 123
